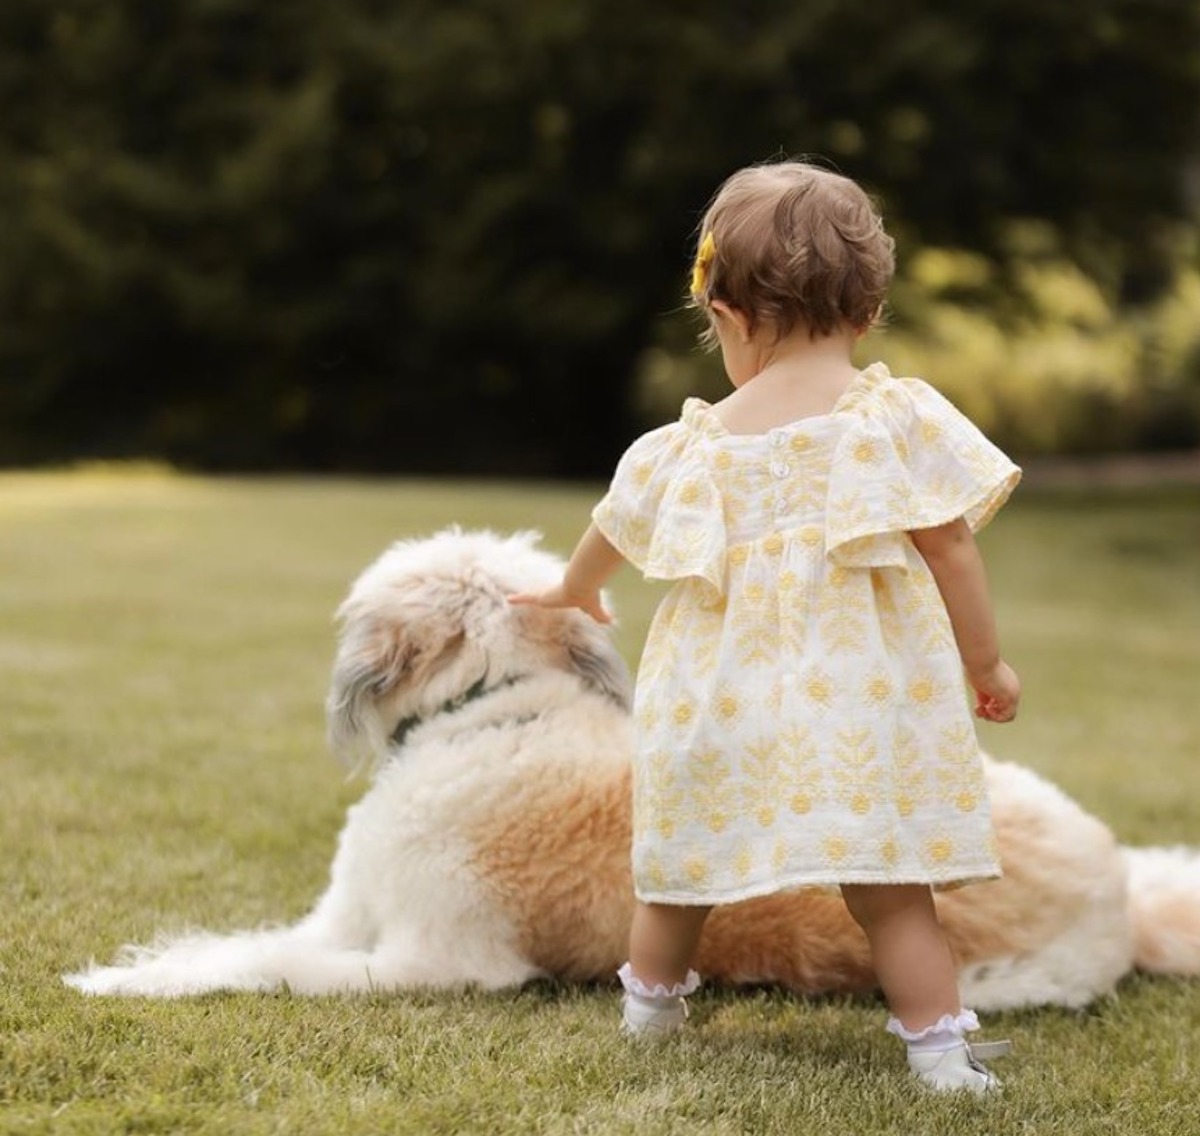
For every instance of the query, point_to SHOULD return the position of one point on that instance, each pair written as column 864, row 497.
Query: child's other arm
column 592, row 563
column 953, row 558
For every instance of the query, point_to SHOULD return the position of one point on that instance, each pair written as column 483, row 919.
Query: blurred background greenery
column 398, row 235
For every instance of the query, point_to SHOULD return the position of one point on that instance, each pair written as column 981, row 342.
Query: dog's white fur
column 492, row 846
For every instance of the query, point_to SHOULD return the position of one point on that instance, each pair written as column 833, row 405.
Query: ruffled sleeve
column 663, row 511
column 909, row 460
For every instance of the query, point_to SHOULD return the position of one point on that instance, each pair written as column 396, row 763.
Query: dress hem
column 691, row 899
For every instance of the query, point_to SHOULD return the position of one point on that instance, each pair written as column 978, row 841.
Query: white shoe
column 953, row 1070
column 654, row 1011
column 645, row 1017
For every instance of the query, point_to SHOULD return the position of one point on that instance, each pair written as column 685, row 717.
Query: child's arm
column 953, row 558
column 591, row 564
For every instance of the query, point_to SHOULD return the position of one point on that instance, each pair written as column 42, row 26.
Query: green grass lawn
column 164, row 647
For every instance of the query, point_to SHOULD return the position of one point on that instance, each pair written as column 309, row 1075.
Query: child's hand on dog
column 559, row 596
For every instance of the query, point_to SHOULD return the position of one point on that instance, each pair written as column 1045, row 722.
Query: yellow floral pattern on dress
column 760, row 790
column 800, row 706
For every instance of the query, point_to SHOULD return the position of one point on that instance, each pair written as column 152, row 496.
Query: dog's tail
column 267, row 960
column 1164, row 908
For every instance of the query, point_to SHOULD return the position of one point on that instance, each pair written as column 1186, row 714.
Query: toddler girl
column 800, row 707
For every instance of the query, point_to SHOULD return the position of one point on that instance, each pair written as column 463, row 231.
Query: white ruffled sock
column 948, row 1032
column 654, row 1011
column 940, row 1056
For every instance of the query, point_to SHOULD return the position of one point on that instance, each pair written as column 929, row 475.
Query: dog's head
column 430, row 620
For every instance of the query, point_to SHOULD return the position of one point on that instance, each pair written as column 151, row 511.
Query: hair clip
column 704, row 257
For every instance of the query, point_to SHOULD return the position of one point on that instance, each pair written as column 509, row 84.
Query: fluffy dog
column 493, row 844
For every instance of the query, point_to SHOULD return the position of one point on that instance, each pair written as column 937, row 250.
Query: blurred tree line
column 406, row 235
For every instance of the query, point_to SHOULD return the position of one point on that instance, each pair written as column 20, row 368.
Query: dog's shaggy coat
column 493, row 844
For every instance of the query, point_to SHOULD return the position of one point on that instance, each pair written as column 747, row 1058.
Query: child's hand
column 997, row 693
column 560, row 596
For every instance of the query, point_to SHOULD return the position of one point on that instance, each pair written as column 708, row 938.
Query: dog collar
column 473, row 693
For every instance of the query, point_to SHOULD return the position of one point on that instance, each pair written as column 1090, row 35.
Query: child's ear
column 738, row 320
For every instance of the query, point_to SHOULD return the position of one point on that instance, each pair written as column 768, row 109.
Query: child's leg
column 657, row 977
column 916, row 970
column 909, row 950
column 663, row 941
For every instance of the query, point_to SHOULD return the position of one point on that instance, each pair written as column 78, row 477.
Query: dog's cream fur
column 493, row 844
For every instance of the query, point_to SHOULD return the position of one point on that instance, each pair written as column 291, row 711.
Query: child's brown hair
column 791, row 244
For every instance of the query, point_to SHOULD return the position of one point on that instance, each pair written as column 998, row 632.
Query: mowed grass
column 164, row 647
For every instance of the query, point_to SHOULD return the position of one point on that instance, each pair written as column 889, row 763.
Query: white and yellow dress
column 801, row 711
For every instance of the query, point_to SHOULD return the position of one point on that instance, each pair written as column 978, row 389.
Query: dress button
column 776, row 437
column 780, row 469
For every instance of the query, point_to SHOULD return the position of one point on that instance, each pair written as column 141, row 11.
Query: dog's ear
column 382, row 661
column 592, row 656
column 372, row 660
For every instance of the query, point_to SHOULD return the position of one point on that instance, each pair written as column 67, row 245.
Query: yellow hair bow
column 704, row 257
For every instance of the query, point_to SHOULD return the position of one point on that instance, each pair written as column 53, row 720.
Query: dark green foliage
column 416, row 235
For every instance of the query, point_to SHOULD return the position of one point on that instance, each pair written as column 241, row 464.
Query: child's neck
column 798, row 376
